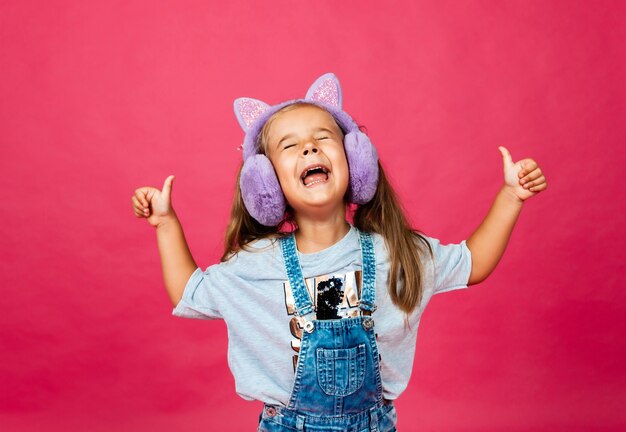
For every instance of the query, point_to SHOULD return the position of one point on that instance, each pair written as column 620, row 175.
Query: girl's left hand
column 523, row 177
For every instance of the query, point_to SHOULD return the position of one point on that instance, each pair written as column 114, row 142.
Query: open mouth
column 314, row 174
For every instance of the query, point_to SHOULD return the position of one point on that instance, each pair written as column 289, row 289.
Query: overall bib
column 337, row 385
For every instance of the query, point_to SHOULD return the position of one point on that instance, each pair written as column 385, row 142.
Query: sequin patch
column 327, row 92
column 251, row 109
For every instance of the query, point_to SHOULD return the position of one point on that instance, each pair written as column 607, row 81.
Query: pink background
column 97, row 99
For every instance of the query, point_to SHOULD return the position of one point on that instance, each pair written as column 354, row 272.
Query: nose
column 309, row 147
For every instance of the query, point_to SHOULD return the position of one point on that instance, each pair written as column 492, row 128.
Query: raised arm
column 176, row 260
column 522, row 180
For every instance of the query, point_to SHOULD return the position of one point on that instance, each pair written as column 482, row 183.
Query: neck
column 316, row 234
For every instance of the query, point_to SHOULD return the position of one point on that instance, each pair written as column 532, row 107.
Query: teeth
column 314, row 168
column 315, row 182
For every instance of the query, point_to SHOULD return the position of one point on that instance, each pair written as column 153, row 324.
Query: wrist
column 166, row 221
column 508, row 194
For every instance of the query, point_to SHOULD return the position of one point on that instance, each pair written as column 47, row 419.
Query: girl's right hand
column 153, row 204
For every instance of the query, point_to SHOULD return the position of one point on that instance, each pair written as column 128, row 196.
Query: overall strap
column 368, row 292
column 294, row 273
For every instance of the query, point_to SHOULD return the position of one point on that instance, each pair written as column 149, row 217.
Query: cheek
column 341, row 172
column 341, row 164
column 283, row 170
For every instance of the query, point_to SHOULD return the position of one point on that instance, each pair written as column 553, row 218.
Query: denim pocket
column 267, row 425
column 340, row 372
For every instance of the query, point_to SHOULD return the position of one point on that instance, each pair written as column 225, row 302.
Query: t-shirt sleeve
column 452, row 264
column 198, row 299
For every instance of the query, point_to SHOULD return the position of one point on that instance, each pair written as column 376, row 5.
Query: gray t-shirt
column 251, row 293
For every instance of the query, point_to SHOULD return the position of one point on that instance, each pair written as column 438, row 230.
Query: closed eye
column 287, row 146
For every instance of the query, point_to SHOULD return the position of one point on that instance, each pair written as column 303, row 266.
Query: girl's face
column 305, row 146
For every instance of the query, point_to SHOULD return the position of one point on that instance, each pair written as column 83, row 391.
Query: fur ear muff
column 261, row 191
column 247, row 110
column 325, row 89
column 363, row 163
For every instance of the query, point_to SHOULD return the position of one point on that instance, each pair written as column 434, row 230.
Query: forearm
column 488, row 242
column 176, row 259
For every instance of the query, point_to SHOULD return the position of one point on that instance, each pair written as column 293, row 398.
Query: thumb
column 506, row 156
column 167, row 186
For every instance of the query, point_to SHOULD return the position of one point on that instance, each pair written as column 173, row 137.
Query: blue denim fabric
column 338, row 385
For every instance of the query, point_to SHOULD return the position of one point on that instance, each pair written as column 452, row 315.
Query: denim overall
column 337, row 385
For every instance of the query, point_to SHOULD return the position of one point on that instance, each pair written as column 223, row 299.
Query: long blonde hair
column 382, row 215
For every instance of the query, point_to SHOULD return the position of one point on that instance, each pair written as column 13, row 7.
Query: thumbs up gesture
column 524, row 177
column 153, row 204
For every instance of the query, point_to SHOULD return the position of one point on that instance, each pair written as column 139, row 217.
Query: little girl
column 323, row 309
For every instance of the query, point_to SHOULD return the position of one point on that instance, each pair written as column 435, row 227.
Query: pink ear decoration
column 247, row 110
column 326, row 89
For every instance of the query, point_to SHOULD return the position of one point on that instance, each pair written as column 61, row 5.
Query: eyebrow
column 316, row 130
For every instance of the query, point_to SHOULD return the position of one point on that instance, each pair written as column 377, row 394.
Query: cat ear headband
column 259, row 185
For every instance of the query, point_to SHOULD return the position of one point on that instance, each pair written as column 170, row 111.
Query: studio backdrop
column 100, row 98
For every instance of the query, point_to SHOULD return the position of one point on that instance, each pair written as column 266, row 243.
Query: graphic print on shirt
column 334, row 296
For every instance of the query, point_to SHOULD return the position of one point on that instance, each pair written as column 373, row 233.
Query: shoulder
column 262, row 244
column 422, row 242
column 254, row 254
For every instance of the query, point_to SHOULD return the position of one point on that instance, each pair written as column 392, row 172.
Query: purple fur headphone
column 259, row 185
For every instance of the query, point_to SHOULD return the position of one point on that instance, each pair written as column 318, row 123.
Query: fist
column 524, row 177
column 153, row 204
